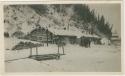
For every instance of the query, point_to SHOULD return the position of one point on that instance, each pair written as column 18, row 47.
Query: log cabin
column 51, row 36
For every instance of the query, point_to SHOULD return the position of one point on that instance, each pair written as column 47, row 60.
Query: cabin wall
column 40, row 35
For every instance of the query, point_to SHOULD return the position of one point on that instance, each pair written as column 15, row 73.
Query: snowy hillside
column 25, row 19
column 19, row 18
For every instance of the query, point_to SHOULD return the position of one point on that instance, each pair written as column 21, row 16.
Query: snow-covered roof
column 89, row 35
column 76, row 33
column 65, row 32
column 73, row 31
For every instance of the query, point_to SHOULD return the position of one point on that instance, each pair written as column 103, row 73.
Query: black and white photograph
column 62, row 37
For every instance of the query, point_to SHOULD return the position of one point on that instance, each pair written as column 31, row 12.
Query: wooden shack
column 51, row 35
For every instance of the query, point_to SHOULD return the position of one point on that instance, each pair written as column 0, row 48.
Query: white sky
column 111, row 12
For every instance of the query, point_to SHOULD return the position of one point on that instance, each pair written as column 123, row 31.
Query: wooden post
column 58, row 49
column 47, row 36
column 36, row 50
column 30, row 51
column 63, row 49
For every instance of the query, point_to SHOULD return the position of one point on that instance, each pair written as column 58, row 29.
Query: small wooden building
column 50, row 35
column 40, row 35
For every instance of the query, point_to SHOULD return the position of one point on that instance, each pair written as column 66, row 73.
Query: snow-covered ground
column 98, row 58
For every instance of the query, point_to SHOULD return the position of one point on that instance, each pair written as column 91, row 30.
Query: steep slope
column 25, row 18
column 20, row 18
